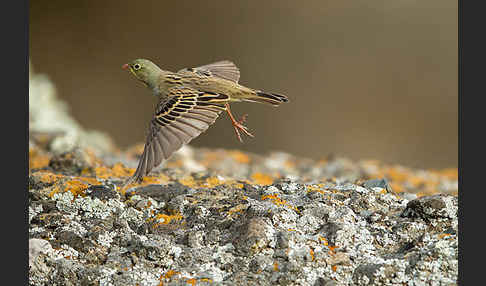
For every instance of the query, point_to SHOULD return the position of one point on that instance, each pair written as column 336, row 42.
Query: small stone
column 430, row 207
column 102, row 192
column 71, row 163
column 378, row 183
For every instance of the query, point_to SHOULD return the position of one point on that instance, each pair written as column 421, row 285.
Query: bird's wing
column 180, row 117
column 222, row 69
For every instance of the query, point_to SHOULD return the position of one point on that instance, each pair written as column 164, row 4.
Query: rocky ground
column 226, row 217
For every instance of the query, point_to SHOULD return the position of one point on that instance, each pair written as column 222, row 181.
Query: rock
column 378, row 183
column 102, row 192
column 71, row 163
column 253, row 236
column 431, row 207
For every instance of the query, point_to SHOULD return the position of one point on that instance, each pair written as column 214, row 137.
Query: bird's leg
column 238, row 124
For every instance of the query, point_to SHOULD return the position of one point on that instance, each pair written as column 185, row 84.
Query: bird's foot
column 238, row 126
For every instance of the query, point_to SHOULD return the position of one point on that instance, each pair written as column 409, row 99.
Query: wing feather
column 193, row 124
column 159, row 153
column 164, row 144
column 223, row 69
column 150, row 154
column 180, row 117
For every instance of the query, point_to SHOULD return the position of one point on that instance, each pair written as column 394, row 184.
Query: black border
column 24, row 101
column 471, row 143
column 15, row 136
column 460, row 83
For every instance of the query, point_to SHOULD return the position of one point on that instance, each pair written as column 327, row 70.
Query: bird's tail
column 270, row 98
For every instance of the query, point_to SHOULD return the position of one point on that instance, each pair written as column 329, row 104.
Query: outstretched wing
column 222, row 69
column 180, row 117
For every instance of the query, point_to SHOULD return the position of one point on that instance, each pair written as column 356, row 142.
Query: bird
column 189, row 101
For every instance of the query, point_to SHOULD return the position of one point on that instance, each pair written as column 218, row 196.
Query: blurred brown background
column 367, row 79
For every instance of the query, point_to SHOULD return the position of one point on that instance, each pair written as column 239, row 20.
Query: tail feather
column 271, row 98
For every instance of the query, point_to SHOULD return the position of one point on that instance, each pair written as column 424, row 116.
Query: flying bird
column 189, row 101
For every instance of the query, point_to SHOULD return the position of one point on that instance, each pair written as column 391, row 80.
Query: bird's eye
column 137, row 67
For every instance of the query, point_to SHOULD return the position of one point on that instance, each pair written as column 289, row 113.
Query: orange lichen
column 240, row 157
column 188, row 181
column 261, row 179
column 397, row 174
column 76, row 188
column 275, row 266
column 450, row 173
column 37, row 159
column 120, row 170
column 160, row 179
column 318, row 188
column 212, row 182
column 88, row 180
column 334, row 268
column 396, row 187
column 191, row 281
column 275, row 198
column 312, row 254
column 278, row 201
column 401, row 178
column 170, row 273
column 442, row 235
column 239, row 186
column 431, row 187
column 48, row 177
column 86, row 172
column 117, row 171
column 237, row 209
column 167, row 275
column 332, row 249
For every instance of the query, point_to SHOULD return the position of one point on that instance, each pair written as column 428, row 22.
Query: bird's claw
column 238, row 126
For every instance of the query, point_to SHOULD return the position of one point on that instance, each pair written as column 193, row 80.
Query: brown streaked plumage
column 189, row 101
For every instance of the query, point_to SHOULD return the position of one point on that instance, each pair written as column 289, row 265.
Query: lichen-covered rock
column 225, row 217
column 224, row 231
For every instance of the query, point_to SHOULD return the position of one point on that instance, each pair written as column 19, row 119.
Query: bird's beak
column 125, row 66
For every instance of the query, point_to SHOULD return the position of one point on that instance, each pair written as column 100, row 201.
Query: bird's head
column 144, row 70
